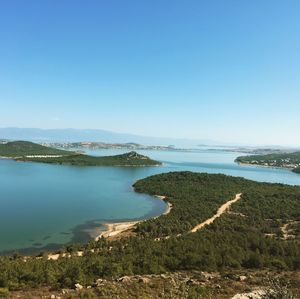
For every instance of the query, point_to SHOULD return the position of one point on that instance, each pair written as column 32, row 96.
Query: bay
column 45, row 206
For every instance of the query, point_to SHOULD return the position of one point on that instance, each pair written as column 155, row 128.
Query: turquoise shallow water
column 48, row 205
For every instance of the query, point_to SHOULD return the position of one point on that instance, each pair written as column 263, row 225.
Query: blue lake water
column 48, row 205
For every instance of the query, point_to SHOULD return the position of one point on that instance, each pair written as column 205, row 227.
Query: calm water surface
column 49, row 205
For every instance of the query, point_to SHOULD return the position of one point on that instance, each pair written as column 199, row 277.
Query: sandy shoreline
column 114, row 229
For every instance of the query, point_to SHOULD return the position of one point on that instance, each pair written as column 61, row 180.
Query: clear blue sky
column 224, row 70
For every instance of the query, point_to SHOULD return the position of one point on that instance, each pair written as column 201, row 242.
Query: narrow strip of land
column 220, row 211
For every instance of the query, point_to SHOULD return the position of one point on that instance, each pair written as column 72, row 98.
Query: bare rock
column 65, row 291
column 99, row 282
column 242, row 278
column 143, row 279
column 78, row 286
column 124, row 279
column 206, row 276
column 191, row 282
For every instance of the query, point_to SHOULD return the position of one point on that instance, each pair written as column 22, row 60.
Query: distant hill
column 77, row 135
column 29, row 151
column 22, row 148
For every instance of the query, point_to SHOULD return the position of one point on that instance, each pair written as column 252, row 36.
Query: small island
column 32, row 152
column 282, row 160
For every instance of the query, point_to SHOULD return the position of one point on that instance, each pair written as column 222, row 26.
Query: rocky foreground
column 235, row 285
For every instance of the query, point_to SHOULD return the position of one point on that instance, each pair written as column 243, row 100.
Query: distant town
column 103, row 145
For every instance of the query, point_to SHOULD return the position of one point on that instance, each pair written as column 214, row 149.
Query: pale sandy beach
column 114, row 229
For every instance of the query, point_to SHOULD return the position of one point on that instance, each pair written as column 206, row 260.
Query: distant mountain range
column 78, row 135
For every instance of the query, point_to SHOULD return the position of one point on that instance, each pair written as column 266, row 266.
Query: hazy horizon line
column 200, row 140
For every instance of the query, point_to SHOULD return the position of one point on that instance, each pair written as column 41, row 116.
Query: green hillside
column 25, row 148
